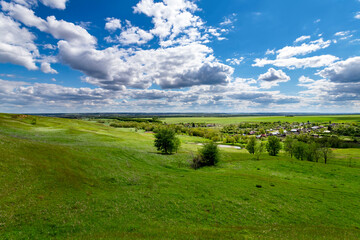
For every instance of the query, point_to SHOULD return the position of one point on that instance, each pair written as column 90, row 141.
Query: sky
column 231, row 56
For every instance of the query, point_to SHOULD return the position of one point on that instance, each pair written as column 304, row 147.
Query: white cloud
column 343, row 71
column 46, row 68
column 302, row 38
column 17, row 44
column 132, row 35
column 304, row 79
column 303, row 49
column 170, row 17
column 59, row 4
column 270, row 52
column 59, row 29
column 357, row 15
column 235, row 61
column 227, row 21
column 285, row 56
column 112, row 24
column 272, row 78
column 114, row 68
column 49, row 46
column 342, row 33
column 309, row 62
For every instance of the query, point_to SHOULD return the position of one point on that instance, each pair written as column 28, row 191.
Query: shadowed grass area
column 73, row 179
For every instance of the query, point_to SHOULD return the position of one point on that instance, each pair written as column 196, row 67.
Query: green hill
column 73, row 179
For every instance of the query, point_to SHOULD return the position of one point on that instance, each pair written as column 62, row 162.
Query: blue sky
column 180, row 56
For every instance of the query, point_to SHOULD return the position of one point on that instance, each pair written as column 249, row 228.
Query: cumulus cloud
column 59, row 4
column 343, row 71
column 112, row 24
column 17, row 44
column 190, row 63
column 59, row 29
column 272, row 78
column 46, row 68
column 172, row 67
column 132, row 35
column 304, row 79
column 170, row 17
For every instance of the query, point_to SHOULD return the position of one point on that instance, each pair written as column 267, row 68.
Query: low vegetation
column 76, row 179
column 208, row 156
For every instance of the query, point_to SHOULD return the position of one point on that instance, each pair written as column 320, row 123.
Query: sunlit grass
column 74, row 179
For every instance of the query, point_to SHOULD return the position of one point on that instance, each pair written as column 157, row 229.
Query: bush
column 166, row 141
column 273, row 145
column 208, row 156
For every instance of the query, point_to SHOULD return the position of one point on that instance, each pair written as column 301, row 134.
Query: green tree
column 259, row 149
column 299, row 150
column 273, row 145
column 166, row 141
column 312, row 152
column 325, row 152
column 289, row 145
column 250, row 146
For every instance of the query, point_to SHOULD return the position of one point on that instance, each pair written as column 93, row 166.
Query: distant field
column 234, row 120
column 72, row 179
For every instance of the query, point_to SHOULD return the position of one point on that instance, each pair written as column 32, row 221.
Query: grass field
column 74, row 179
column 234, row 120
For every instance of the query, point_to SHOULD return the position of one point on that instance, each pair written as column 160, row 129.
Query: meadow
column 74, row 179
column 234, row 120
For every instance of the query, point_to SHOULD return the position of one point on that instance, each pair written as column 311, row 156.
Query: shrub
column 208, row 156
column 166, row 141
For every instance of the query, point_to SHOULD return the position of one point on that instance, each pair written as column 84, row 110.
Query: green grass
column 234, row 120
column 74, row 179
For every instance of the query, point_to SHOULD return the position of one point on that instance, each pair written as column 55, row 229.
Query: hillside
column 74, row 179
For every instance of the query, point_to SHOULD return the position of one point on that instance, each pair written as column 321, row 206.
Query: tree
column 259, row 149
column 250, row 146
column 312, row 152
column 273, row 145
column 166, row 141
column 299, row 150
column 325, row 152
column 208, row 156
column 289, row 145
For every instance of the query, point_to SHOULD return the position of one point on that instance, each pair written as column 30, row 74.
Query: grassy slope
column 79, row 180
column 234, row 120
